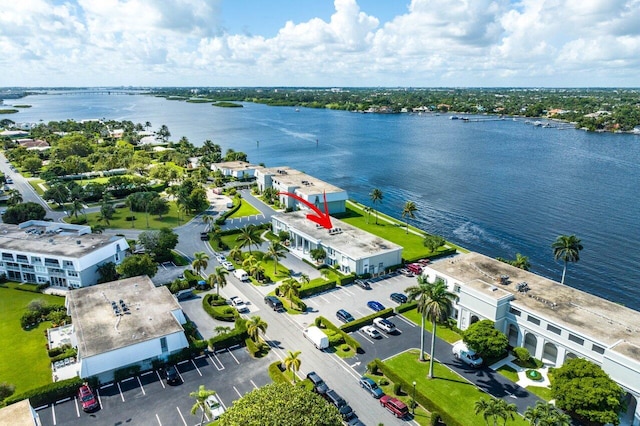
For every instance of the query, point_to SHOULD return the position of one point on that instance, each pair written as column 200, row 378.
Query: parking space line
column 126, row 380
column 311, row 302
column 141, row 387
column 234, row 357
column 106, row 386
column 324, row 298
column 75, row 400
column 99, row 398
column 335, row 296
column 254, row 385
column 178, row 371
column 147, row 373
column 121, row 394
column 360, row 313
column 402, row 318
column 197, row 369
column 215, row 364
column 347, row 291
column 158, row 419
column 237, row 391
column 160, row 380
column 365, row 337
column 53, row 413
column 63, row 400
column 183, row 421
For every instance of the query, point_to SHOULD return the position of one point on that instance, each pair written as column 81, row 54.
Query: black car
column 342, row 406
column 319, row 385
column 204, row 236
column 398, row 298
column 344, row 316
column 274, row 302
column 173, row 377
column 363, row 284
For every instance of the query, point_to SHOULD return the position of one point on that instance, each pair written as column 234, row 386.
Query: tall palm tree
column 495, row 408
column 376, row 196
column 255, row 326
column 304, row 279
column 521, row 262
column 236, row 253
column 218, row 278
column 408, row 211
column 201, row 396
column 367, row 210
column 76, row 207
column 200, row 261
column 249, row 236
column 566, row 248
column 15, row 197
column 209, row 220
column 289, row 289
column 276, row 251
column 292, row 363
column 545, row 414
column 434, row 303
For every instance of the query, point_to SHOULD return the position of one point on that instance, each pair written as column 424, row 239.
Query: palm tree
column 304, row 279
column 15, row 197
column 521, row 262
column 545, row 414
column 566, row 248
column 236, row 253
column 76, row 207
column 249, row 236
column 218, row 278
column 326, row 273
column 495, row 408
column 276, row 251
column 200, row 261
column 289, row 289
column 292, row 363
column 367, row 210
column 484, row 407
column 255, row 326
column 434, row 303
column 201, row 396
column 408, row 210
column 376, row 197
column 209, row 220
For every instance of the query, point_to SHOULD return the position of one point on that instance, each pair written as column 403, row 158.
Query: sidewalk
column 523, row 380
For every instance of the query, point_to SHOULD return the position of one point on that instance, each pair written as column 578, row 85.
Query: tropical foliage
column 566, row 248
column 201, row 396
column 376, row 197
column 495, row 409
column 485, row 339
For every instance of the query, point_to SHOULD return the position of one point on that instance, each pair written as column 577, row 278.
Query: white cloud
column 436, row 42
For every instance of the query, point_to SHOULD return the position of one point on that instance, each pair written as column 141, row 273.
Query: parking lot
column 148, row 400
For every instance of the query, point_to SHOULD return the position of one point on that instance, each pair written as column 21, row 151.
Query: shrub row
column 361, row 322
column 69, row 353
column 347, row 279
column 276, row 374
column 406, row 307
column 222, row 313
column 420, row 398
column 237, row 203
column 310, row 290
column 253, row 349
column 322, row 322
column 299, row 303
column 48, row 394
column 443, row 253
column 126, row 372
column 53, row 352
column 191, row 278
column 235, row 337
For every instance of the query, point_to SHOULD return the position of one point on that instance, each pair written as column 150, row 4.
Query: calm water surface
column 496, row 187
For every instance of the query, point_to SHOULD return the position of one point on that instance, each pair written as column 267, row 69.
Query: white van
column 241, row 274
column 468, row 356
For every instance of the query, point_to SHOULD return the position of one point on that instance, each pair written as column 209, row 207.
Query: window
column 42, row 279
column 22, row 258
column 72, row 273
column 163, row 344
column 51, row 262
column 553, row 329
column 68, row 264
column 456, row 288
column 36, row 260
column 576, row 339
column 515, row 312
column 40, row 269
column 7, row 256
column 598, row 349
column 534, row 320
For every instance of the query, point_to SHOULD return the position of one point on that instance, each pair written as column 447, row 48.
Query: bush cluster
column 276, row 374
column 221, row 313
column 126, row 372
column 48, row 393
column 325, row 323
column 312, row 289
column 235, row 337
column 406, row 307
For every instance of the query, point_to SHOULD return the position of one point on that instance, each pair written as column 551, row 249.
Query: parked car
column 8, row 180
column 364, row 284
column 395, row 406
column 220, row 258
column 384, row 325
column 173, row 378
column 342, row 406
column 319, row 385
column 228, row 266
column 274, row 302
column 371, row 331
column 238, row 303
column 344, row 316
column 87, row 398
column 376, row 306
column 398, row 298
column 214, row 405
column 370, row 386
column 468, row 356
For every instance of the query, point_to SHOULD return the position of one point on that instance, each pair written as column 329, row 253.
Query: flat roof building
column 354, row 250
column 61, row 254
column 237, row 169
column 554, row 322
column 19, row 414
column 122, row 323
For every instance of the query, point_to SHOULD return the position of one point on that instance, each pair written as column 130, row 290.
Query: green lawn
column 23, row 357
column 245, row 209
column 35, row 184
column 170, row 220
column 509, row 373
column 395, row 232
column 443, row 332
column 451, row 392
column 541, row 391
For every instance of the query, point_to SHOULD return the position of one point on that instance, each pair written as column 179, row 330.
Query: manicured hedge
column 420, row 398
column 276, row 374
column 443, row 253
column 325, row 323
column 50, row 393
column 236, row 206
column 222, row 313
column 236, row 336
column 347, row 279
column 251, row 347
column 406, row 307
column 126, row 372
column 361, row 322
column 310, row 290
column 299, row 303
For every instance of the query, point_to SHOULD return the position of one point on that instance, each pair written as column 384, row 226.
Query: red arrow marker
column 322, row 219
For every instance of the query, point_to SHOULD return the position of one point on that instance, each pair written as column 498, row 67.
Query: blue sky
column 419, row 43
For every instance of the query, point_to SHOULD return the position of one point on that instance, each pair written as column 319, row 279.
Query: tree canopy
column 159, row 244
column 282, row 404
column 483, row 338
column 137, row 264
column 583, row 388
column 23, row 212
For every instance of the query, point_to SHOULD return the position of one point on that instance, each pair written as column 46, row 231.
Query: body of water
column 496, row 187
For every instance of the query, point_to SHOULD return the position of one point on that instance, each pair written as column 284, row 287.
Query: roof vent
column 78, row 242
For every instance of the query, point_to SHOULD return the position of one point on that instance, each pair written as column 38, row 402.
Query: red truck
column 395, row 406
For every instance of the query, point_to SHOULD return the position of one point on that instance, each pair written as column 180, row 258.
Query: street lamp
column 413, row 405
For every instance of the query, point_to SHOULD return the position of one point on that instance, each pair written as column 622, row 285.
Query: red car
column 87, row 398
column 397, row 407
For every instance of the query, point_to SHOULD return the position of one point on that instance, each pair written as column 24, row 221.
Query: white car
column 214, row 405
column 220, row 258
column 238, row 303
column 228, row 266
column 370, row 331
column 384, row 325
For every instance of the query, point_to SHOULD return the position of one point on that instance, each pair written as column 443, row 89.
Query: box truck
column 317, row 337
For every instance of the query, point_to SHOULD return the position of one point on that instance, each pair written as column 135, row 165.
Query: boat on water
column 454, row 117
